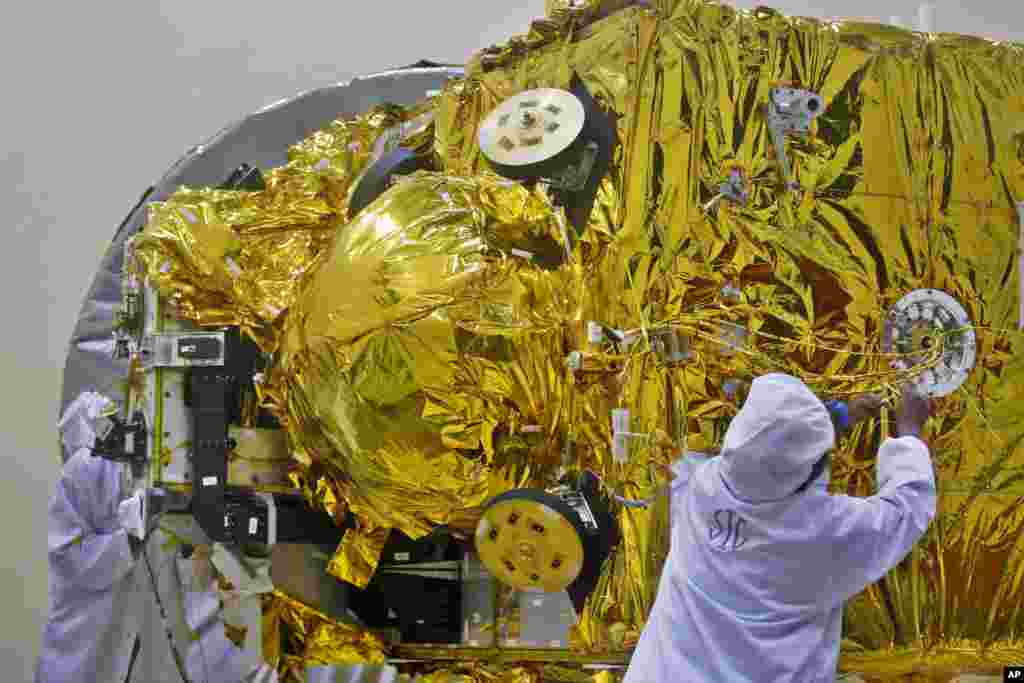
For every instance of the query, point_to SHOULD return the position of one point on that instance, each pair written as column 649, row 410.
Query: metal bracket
column 578, row 502
column 671, row 347
column 448, row 570
column 731, row 337
column 183, row 350
column 790, row 112
column 574, row 177
column 122, row 441
column 128, row 320
column 733, row 188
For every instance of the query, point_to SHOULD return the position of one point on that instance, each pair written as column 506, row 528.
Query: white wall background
column 96, row 102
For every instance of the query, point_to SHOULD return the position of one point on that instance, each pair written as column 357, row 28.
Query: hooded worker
column 762, row 558
column 105, row 623
column 91, row 561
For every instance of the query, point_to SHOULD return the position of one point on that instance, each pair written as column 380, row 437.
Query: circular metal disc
column 527, row 540
column 531, row 127
column 921, row 319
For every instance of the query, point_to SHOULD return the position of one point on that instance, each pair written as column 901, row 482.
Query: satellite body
column 635, row 206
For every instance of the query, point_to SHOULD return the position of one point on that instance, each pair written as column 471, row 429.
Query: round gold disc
column 530, row 545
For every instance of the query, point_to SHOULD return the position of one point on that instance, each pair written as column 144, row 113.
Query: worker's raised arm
column 870, row 536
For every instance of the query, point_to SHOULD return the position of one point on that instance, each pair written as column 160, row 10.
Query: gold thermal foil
column 222, row 257
column 615, row 612
column 296, row 635
column 424, row 367
column 380, row 328
column 358, row 555
column 480, row 673
column 527, row 673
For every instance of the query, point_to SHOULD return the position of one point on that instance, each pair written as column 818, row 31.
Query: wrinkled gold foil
column 221, row 257
column 296, row 635
column 416, row 347
column 431, row 263
column 615, row 612
column 531, row 673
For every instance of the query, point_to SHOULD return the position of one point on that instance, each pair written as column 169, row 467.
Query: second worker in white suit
column 762, row 557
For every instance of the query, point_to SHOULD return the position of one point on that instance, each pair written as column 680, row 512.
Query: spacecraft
column 741, row 285
column 182, row 432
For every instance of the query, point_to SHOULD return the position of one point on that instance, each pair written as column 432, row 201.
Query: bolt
column 526, row 552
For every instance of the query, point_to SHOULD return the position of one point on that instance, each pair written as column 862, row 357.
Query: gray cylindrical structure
column 352, row 673
column 261, row 140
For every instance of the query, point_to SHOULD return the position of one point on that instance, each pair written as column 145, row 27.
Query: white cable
column 714, row 200
column 645, row 502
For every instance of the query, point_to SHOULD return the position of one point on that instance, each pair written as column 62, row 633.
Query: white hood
column 774, row 441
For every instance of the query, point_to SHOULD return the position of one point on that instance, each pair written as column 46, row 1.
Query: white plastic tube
column 620, row 435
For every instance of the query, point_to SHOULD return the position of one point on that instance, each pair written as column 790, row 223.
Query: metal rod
column 502, row 655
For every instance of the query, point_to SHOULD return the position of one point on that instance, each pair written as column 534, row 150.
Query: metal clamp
column 574, row 177
column 733, row 188
column 184, row 350
column 128, row 318
column 670, row 346
column 122, row 441
column 790, row 112
column 578, row 502
column 731, row 337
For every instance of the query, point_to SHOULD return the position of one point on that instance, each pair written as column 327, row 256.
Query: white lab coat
column 753, row 591
column 87, row 637
column 102, row 599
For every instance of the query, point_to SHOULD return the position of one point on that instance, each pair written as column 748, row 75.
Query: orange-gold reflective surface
column 422, row 359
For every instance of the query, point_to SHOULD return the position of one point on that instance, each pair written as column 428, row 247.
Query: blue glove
column 840, row 413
